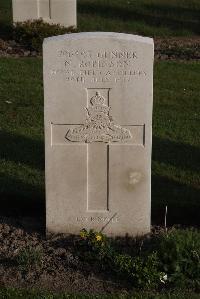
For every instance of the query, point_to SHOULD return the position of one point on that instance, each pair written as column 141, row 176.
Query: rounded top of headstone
column 110, row 35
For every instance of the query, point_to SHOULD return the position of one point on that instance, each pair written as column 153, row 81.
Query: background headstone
column 61, row 12
column 98, row 90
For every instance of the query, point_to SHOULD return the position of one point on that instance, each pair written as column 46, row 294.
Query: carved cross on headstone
column 98, row 168
column 99, row 132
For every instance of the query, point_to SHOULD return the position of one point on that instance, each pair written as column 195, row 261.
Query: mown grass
column 21, row 135
column 176, row 143
column 145, row 17
column 29, row 294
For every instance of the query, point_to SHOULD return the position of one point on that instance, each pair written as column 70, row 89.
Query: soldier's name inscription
column 83, row 66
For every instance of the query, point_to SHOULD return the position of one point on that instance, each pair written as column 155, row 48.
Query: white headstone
column 61, row 12
column 98, row 90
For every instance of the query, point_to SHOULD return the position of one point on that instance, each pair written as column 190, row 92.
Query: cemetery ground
column 58, row 264
column 54, row 264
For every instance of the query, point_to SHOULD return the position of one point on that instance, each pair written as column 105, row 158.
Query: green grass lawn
column 176, row 119
column 21, row 135
column 176, row 143
column 145, row 17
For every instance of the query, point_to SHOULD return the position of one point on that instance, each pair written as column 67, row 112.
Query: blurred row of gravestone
column 62, row 12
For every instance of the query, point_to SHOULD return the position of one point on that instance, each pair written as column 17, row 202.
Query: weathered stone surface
column 98, row 90
column 61, row 12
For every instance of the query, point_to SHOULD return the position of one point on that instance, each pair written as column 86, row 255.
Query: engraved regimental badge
column 99, row 125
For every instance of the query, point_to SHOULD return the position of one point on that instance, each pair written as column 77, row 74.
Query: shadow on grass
column 18, row 198
column 21, row 149
column 22, row 205
column 182, row 202
column 153, row 15
column 182, row 199
column 183, row 156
